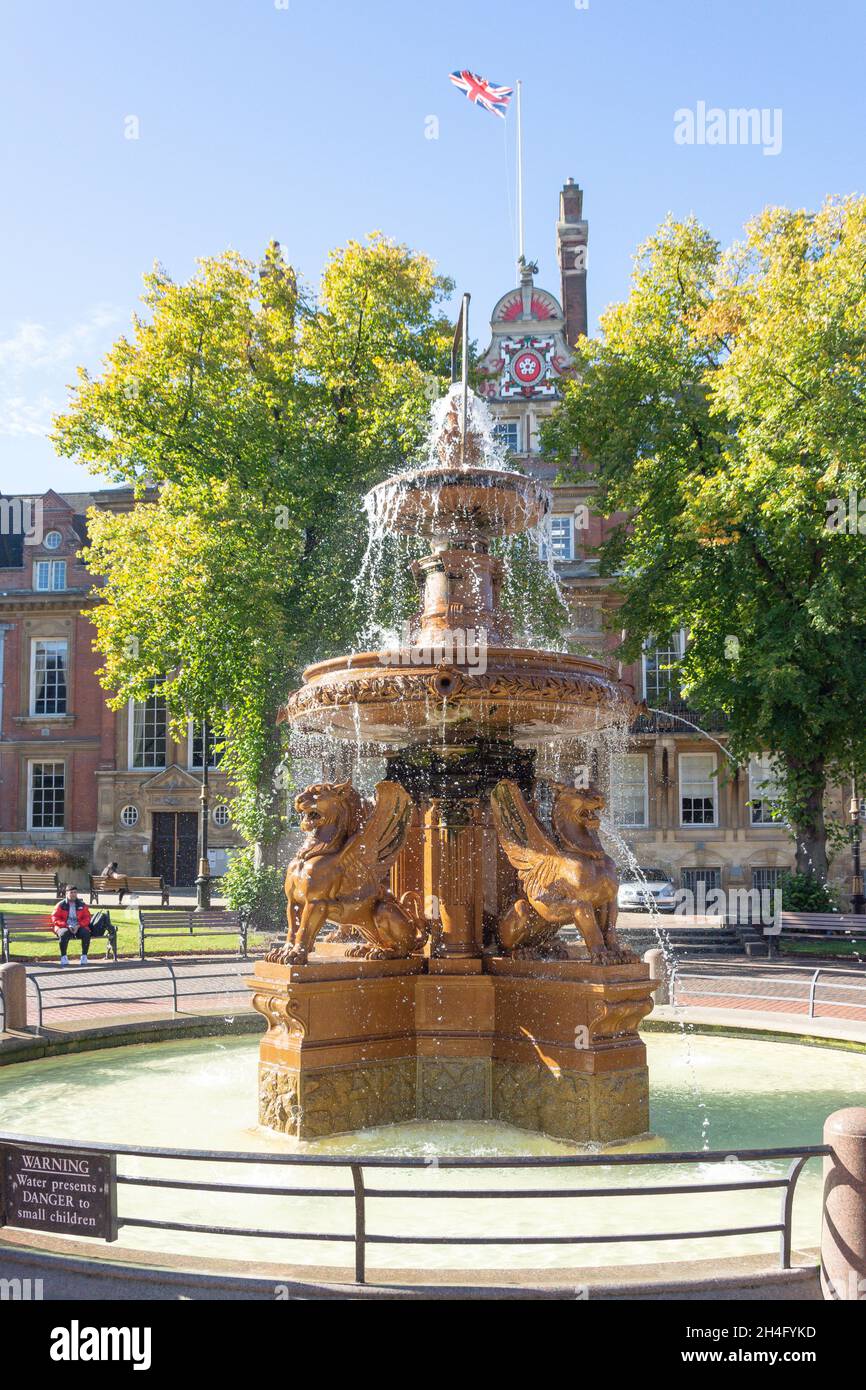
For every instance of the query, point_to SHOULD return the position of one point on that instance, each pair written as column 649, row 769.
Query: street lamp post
column 202, row 883
column 858, row 902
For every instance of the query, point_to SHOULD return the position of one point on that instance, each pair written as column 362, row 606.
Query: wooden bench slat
column 822, row 926
column 831, row 918
column 187, row 922
column 37, row 878
column 126, row 883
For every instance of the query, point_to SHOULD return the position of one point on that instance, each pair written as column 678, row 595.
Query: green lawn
column 824, row 948
column 126, row 922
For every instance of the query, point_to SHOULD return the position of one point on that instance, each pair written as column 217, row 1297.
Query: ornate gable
column 172, row 779
column 528, row 352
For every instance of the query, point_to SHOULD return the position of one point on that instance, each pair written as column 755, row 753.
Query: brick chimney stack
column 571, row 251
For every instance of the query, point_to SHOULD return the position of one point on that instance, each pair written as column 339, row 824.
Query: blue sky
column 305, row 120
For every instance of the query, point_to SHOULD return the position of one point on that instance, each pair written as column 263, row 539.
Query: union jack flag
column 494, row 99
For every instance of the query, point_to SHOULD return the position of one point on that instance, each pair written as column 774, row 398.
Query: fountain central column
column 455, row 1003
column 454, row 876
column 460, row 598
column 460, row 583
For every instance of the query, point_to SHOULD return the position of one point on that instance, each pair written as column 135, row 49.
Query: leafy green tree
column 723, row 408
column 252, row 416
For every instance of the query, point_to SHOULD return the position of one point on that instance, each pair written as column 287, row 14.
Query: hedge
column 19, row 857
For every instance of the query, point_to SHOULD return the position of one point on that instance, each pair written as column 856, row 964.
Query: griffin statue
column 338, row 875
column 572, row 880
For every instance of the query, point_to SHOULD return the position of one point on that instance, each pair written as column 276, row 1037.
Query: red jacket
column 60, row 915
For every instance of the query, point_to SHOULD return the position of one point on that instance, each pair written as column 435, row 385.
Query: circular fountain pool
column 707, row 1093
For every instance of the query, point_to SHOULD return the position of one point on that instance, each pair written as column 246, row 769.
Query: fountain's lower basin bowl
column 516, row 693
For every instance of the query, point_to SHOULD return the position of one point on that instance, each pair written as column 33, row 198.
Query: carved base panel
column 600, row 1108
column 312, row 1104
column 454, row 1088
column 548, row 1046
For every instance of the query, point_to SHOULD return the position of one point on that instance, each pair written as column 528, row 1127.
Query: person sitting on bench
column 71, row 919
column 110, row 871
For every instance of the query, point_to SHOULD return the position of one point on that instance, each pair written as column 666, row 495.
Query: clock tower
column 522, row 375
column 532, row 334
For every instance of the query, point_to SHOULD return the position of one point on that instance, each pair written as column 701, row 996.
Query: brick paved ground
column 837, row 994
column 131, row 990
column 74, row 996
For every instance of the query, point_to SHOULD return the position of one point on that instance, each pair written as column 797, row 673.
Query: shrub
column 256, row 892
column 805, row 893
column 20, row 857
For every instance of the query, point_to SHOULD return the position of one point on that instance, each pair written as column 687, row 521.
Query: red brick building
column 55, row 729
column 75, row 775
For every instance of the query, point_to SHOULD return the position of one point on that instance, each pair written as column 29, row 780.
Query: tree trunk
column 808, row 783
column 268, row 849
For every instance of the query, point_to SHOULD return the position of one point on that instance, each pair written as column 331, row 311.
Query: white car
column 653, row 889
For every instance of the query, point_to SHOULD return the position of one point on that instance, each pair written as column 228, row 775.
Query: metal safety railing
column 359, row 1193
column 801, row 988
column 131, row 983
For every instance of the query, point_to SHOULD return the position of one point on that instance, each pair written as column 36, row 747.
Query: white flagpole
column 521, row 248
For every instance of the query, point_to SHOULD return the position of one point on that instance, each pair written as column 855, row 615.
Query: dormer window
column 49, row 576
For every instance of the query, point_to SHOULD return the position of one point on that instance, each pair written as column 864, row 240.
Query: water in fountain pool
column 202, row 1095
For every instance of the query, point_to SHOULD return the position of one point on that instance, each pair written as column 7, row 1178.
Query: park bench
column 122, row 884
column 19, row 880
column 187, row 922
column 823, row 926
column 27, row 926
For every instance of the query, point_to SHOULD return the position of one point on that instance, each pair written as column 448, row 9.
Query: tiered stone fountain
column 444, row 993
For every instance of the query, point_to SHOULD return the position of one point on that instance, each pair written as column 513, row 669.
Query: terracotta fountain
column 442, row 990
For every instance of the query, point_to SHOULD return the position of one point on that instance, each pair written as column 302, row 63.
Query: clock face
column 527, row 367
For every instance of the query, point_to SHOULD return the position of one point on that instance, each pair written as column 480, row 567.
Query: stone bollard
column 843, row 1230
column 658, row 969
column 13, row 987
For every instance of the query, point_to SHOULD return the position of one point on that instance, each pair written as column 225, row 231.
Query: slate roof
column 12, row 546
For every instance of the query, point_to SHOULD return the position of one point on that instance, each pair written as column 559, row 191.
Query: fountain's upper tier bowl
column 524, row 695
column 442, row 501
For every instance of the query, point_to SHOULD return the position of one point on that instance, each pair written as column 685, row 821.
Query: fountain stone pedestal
column 339, row 1052
column 568, row 1060
column 549, row 1046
